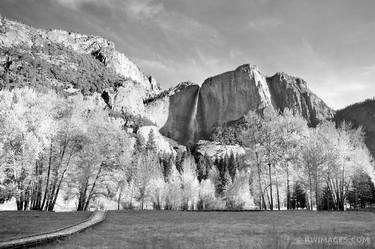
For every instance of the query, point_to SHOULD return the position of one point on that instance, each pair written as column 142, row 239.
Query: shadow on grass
column 273, row 241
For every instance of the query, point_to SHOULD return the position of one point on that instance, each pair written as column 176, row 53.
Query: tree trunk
column 93, row 187
column 317, row 198
column 287, row 189
column 38, row 201
column 278, row 194
column 270, row 179
column 82, row 197
column 262, row 201
column 19, row 205
column 310, row 190
column 342, row 195
column 48, row 176
column 268, row 198
column 61, row 179
column 52, row 194
column 119, row 198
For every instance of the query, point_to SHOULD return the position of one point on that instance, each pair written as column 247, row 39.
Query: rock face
column 194, row 112
column 174, row 111
column 229, row 96
column 361, row 114
column 292, row 93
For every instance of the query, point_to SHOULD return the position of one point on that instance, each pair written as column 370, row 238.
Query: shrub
column 189, row 184
column 206, row 195
column 157, row 191
column 237, row 196
column 173, row 200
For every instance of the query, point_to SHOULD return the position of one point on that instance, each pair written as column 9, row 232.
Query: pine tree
column 221, row 166
column 180, row 160
column 139, row 144
column 298, row 199
column 209, row 165
column 226, row 181
column 151, row 144
column 224, row 177
column 201, row 168
column 216, row 163
column 232, row 165
column 226, row 161
column 166, row 162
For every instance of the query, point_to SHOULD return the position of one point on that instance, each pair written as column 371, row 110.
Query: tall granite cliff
column 292, row 93
column 229, row 96
column 194, row 112
column 174, row 110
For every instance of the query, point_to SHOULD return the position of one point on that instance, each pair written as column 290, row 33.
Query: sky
column 328, row 43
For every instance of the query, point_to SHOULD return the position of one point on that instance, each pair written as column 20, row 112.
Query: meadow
column 16, row 224
column 258, row 229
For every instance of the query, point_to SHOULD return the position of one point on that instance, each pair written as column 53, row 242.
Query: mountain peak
column 247, row 67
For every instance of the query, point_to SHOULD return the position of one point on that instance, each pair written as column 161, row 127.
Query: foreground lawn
column 14, row 224
column 173, row 229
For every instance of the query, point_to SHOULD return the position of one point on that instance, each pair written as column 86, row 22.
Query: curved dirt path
column 95, row 218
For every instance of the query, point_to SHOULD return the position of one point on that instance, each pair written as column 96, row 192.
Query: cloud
column 142, row 9
column 135, row 9
column 368, row 70
column 177, row 27
column 174, row 25
column 156, row 64
column 264, row 23
column 338, row 94
column 76, row 4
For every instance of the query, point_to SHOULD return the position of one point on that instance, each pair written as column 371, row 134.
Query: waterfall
column 192, row 125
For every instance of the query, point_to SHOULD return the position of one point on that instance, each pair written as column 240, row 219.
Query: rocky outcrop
column 361, row 114
column 18, row 34
column 292, row 93
column 194, row 112
column 216, row 150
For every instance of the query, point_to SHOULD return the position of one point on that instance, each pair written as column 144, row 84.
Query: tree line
column 57, row 149
column 51, row 144
column 297, row 166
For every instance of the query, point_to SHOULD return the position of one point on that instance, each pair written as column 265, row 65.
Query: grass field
column 173, row 229
column 15, row 224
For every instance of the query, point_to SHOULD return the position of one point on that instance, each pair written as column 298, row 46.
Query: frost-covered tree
column 173, row 199
column 292, row 129
column 189, row 184
column 237, row 195
column 27, row 128
column 263, row 137
column 206, row 194
column 331, row 156
column 100, row 156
